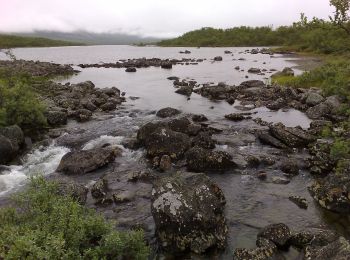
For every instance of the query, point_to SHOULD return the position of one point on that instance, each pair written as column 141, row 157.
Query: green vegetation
column 46, row 225
column 12, row 41
column 19, row 103
column 333, row 78
column 317, row 36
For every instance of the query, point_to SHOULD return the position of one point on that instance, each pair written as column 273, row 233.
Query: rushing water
column 251, row 204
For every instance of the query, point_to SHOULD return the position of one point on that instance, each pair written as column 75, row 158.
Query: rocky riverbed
column 235, row 179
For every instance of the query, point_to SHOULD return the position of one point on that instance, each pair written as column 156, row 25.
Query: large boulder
column 200, row 159
column 167, row 112
column 189, row 213
column 164, row 141
column 333, row 191
column 325, row 109
column 7, row 150
column 80, row 162
column 291, row 136
column 15, row 134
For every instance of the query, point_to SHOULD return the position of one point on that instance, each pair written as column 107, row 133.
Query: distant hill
column 93, row 38
column 13, row 41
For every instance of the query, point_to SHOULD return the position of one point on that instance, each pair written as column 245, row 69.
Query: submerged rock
column 80, row 162
column 218, row 58
column 189, row 213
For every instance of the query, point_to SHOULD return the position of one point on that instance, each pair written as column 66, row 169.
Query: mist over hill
column 92, row 38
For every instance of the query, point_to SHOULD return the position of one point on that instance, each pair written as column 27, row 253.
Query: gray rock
column 80, row 162
column 7, row 151
column 189, row 213
column 313, row 99
column 15, row 134
column 56, row 118
column 276, row 233
column 76, row 191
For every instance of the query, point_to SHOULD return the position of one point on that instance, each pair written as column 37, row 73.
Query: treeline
column 316, row 35
column 12, row 41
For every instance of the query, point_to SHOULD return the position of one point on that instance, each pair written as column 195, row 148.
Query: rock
column 7, row 151
column 199, row 118
column 113, row 91
column 108, row 106
column 324, row 109
column 167, row 112
column 237, row 117
column 180, row 125
column 184, row 90
column 266, row 138
column 339, row 250
column 99, row 189
column 199, row 159
column 285, row 72
column 122, row 197
column 83, row 115
column 252, row 84
column 254, row 70
column 218, row 58
column 332, row 191
column 262, row 175
column 227, row 52
column 314, row 237
column 56, row 118
column 166, row 65
column 299, row 201
column 173, row 78
column 80, row 162
column 130, row 69
column 165, row 163
column 164, row 141
column 276, row 233
column 76, row 191
column 15, row 134
column 204, row 140
column 189, row 214
column 291, row 136
column 290, row 168
column 313, row 99
column 237, row 68
column 88, row 105
column 280, row 180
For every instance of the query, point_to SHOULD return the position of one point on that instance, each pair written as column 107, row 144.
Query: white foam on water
column 102, row 140
column 41, row 161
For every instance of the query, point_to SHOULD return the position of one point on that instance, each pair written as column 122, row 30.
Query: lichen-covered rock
column 164, row 141
column 265, row 250
column 80, row 162
column 299, row 201
column 266, row 138
column 189, row 213
column 277, row 233
column 333, row 191
column 200, row 159
column 199, row 118
column 184, row 90
column 314, row 237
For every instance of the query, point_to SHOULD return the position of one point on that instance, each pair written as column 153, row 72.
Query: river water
column 251, row 204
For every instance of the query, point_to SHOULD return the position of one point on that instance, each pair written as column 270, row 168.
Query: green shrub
column 333, row 78
column 46, row 225
column 20, row 105
column 340, row 149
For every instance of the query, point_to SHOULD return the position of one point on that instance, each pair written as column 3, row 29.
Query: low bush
column 46, row 225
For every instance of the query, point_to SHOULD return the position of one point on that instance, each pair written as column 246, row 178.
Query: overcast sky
column 163, row 18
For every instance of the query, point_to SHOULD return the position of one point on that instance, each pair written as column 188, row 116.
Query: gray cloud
column 152, row 17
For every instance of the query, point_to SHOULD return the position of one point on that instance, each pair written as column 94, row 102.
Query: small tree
column 341, row 14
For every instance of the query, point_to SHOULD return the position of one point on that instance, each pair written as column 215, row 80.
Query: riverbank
column 137, row 164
